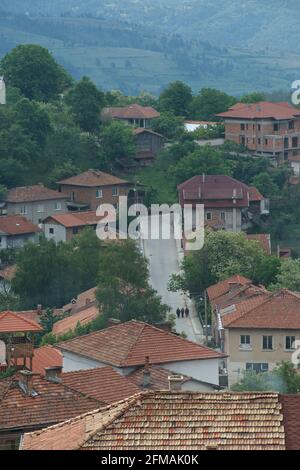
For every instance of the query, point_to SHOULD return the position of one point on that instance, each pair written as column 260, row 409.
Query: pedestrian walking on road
column 182, row 312
column 187, row 312
column 178, row 312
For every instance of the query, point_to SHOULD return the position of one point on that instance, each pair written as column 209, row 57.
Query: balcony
column 19, row 347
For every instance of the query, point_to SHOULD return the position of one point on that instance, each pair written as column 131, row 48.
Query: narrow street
column 163, row 256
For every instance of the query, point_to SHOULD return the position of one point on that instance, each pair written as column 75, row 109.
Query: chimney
column 146, row 373
column 39, row 309
column 175, row 382
column 113, row 322
column 234, row 193
column 53, row 374
column 25, row 381
column 203, row 178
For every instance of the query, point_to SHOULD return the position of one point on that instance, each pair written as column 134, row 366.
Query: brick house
column 148, row 144
column 134, row 114
column 228, row 204
column 93, row 188
column 15, row 231
column 267, row 129
column 35, row 202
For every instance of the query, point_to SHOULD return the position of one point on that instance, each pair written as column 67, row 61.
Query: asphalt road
column 163, row 256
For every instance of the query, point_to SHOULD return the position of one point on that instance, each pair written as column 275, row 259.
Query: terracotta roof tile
column 46, row 356
column 142, row 130
column 37, row 192
column 11, row 322
column 103, row 384
column 127, row 344
column 83, row 299
column 76, row 219
column 223, row 287
column 133, row 111
column 173, row 421
column 85, row 316
column 291, row 413
column 17, row 225
column 262, row 110
column 93, row 178
column 280, row 310
column 52, row 403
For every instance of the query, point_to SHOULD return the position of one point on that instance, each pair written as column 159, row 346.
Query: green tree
column 255, row 97
column 34, row 120
column 123, row 290
column 265, row 184
column 32, row 69
column 168, row 125
column 176, row 99
column 118, row 142
column 3, row 192
column 289, row 275
column 224, row 254
column 210, row 102
column 284, row 378
column 86, row 103
column 202, row 160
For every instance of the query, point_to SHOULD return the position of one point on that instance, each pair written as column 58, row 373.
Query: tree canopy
column 32, row 70
column 176, row 98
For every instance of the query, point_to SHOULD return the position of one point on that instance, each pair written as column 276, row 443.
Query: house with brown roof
column 35, row 202
column 176, row 420
column 16, row 231
column 92, row 188
column 228, row 204
column 124, row 346
column 266, row 129
column 64, row 227
column 29, row 402
column 257, row 329
column 134, row 114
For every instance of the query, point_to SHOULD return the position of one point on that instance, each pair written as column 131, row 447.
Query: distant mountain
column 237, row 45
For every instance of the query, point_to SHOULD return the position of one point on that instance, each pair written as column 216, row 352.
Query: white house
column 125, row 346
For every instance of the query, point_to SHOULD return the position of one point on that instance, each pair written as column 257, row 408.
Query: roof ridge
column 135, row 342
column 267, row 299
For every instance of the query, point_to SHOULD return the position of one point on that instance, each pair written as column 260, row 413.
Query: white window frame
column 58, row 206
column 99, row 193
column 262, row 342
column 115, row 191
column 245, row 345
column 291, row 342
column 23, row 210
column 223, row 218
column 40, row 208
column 208, row 214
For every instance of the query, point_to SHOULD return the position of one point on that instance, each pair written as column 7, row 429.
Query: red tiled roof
column 291, row 420
column 37, row 192
column 82, row 300
column 254, row 194
column 52, row 403
column 103, row 384
column 93, row 178
column 127, row 344
column 223, row 287
column 46, row 356
column 264, row 239
column 85, row 316
column 277, row 311
column 13, row 323
column 172, row 421
column 241, row 307
column 17, row 225
column 76, row 219
column 262, row 110
column 217, row 191
column 133, row 111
